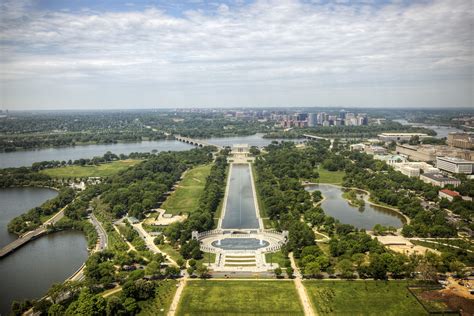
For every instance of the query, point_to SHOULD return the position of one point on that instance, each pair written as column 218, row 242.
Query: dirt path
column 177, row 297
column 307, row 307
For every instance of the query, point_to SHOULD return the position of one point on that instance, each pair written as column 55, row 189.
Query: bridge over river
column 196, row 142
column 23, row 239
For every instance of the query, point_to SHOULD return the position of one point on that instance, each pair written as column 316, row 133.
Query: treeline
column 395, row 189
column 19, row 177
column 284, row 198
column 12, row 143
column 107, row 157
column 179, row 233
column 349, row 131
column 32, row 219
column 142, row 187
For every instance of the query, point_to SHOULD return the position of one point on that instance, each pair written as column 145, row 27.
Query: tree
column 114, row 306
column 153, row 268
column 130, row 305
column 202, row 271
column 278, row 272
column 312, row 269
column 346, row 268
column 87, row 304
column 56, row 310
column 289, row 272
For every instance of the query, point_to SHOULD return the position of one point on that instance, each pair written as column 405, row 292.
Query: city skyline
column 164, row 54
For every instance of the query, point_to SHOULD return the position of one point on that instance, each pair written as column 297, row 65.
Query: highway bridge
column 307, row 136
column 196, row 142
column 31, row 235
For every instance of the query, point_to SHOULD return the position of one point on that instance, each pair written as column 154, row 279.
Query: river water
column 441, row 131
column 32, row 269
column 27, row 157
column 366, row 217
column 16, row 201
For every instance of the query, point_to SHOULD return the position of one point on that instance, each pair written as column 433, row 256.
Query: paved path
column 177, row 297
column 150, row 242
column 429, row 240
column 307, row 307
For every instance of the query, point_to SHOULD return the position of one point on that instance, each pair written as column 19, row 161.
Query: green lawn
column 278, row 257
column 160, row 304
column 102, row 170
column 208, row 297
column 362, row 298
column 186, row 197
column 170, row 251
column 326, row 176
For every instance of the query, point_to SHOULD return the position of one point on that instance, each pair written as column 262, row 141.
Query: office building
column 454, row 165
column 439, row 179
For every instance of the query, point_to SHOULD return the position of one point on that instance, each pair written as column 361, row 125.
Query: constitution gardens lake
column 28, row 272
column 365, row 217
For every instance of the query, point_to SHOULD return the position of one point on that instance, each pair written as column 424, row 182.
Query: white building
column 391, row 159
column 388, row 137
column 357, row 147
column 439, row 179
column 454, row 165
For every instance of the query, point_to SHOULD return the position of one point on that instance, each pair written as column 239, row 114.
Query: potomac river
column 26, row 158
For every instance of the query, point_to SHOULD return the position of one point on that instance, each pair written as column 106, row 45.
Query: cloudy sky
column 83, row 54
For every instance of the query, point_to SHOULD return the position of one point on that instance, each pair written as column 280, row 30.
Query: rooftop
column 438, row 176
column 450, row 192
column 403, row 134
column 454, row 159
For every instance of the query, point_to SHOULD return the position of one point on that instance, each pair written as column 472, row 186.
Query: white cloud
column 284, row 44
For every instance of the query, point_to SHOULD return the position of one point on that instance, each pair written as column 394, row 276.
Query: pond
column 32, row 269
column 16, row 201
column 365, row 217
column 28, row 272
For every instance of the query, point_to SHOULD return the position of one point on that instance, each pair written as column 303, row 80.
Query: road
column 103, row 239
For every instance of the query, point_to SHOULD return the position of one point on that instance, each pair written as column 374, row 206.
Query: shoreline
column 405, row 219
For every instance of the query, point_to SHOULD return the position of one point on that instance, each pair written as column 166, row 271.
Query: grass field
column 102, row 170
column 185, row 199
column 170, row 251
column 362, row 298
column 207, row 297
column 160, row 304
column 326, row 176
column 278, row 257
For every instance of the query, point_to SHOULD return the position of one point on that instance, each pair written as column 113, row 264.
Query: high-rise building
column 342, row 114
column 312, row 119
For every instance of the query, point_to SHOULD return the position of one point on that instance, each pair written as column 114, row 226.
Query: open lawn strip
column 364, row 297
column 160, row 304
column 244, row 297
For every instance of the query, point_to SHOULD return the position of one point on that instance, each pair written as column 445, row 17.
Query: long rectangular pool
column 240, row 212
